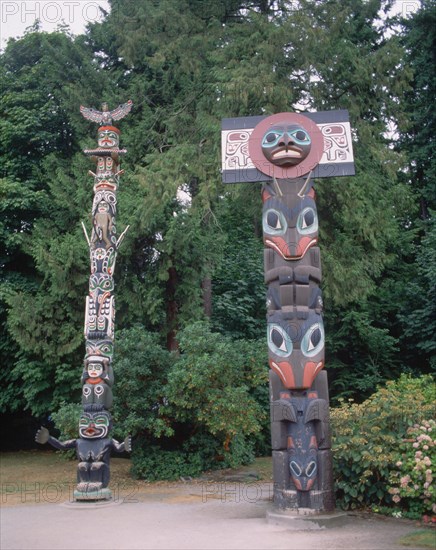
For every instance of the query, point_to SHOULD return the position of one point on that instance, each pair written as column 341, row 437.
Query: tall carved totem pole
column 94, row 445
column 285, row 151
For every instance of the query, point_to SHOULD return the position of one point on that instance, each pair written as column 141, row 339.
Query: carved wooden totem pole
column 285, row 151
column 94, row 445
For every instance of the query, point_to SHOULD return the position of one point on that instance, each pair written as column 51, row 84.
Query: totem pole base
column 303, row 503
column 306, row 519
column 92, row 495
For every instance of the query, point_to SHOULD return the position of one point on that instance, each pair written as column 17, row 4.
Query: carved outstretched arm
column 126, row 445
column 43, row 436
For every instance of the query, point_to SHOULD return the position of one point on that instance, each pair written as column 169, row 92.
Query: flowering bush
column 411, row 483
column 368, row 437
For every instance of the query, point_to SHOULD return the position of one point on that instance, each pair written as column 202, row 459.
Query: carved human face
column 107, row 138
column 95, row 370
column 94, row 425
column 286, row 145
column 103, row 206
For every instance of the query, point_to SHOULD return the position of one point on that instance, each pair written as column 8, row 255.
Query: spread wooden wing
column 91, row 114
column 121, row 111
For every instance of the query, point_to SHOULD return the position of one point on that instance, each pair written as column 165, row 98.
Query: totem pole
column 285, row 151
column 94, row 445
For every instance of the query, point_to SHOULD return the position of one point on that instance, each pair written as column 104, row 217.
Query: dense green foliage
column 208, row 405
column 189, row 273
column 369, row 439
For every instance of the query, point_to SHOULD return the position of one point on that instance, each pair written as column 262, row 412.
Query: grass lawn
column 420, row 539
column 33, row 476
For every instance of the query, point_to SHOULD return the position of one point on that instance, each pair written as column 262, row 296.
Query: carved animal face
column 100, row 283
column 96, row 349
column 94, row 425
column 290, row 223
column 303, row 463
column 286, row 144
column 296, row 348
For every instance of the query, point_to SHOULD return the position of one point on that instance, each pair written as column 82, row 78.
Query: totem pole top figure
column 286, row 146
column 105, row 116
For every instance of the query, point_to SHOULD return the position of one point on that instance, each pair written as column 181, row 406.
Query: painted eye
column 301, row 136
column 274, row 222
column 84, row 421
column 313, row 341
column 271, row 138
column 307, row 221
column 311, row 468
column 279, row 341
column 295, row 468
column 106, row 348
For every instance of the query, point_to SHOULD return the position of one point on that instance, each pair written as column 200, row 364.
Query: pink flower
column 396, row 498
column 404, row 481
column 399, row 463
column 415, row 445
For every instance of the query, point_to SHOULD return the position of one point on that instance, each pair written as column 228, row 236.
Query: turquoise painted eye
column 307, row 221
column 274, row 222
column 271, row 139
column 101, row 420
column 300, row 136
column 313, row 341
column 279, row 341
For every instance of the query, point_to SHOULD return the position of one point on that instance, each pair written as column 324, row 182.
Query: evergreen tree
column 43, row 197
column 186, row 64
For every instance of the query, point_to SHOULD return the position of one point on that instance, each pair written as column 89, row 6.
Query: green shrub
column 367, row 438
column 154, row 463
column 141, row 368
column 66, row 420
column 220, row 386
column 205, row 408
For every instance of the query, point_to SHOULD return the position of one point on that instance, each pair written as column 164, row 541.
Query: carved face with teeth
column 94, row 424
column 286, row 145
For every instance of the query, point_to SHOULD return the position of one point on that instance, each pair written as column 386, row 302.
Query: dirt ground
column 223, row 509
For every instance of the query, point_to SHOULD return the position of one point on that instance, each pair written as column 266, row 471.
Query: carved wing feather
column 91, row 114
column 122, row 110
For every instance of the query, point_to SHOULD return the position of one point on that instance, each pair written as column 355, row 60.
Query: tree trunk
column 172, row 309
